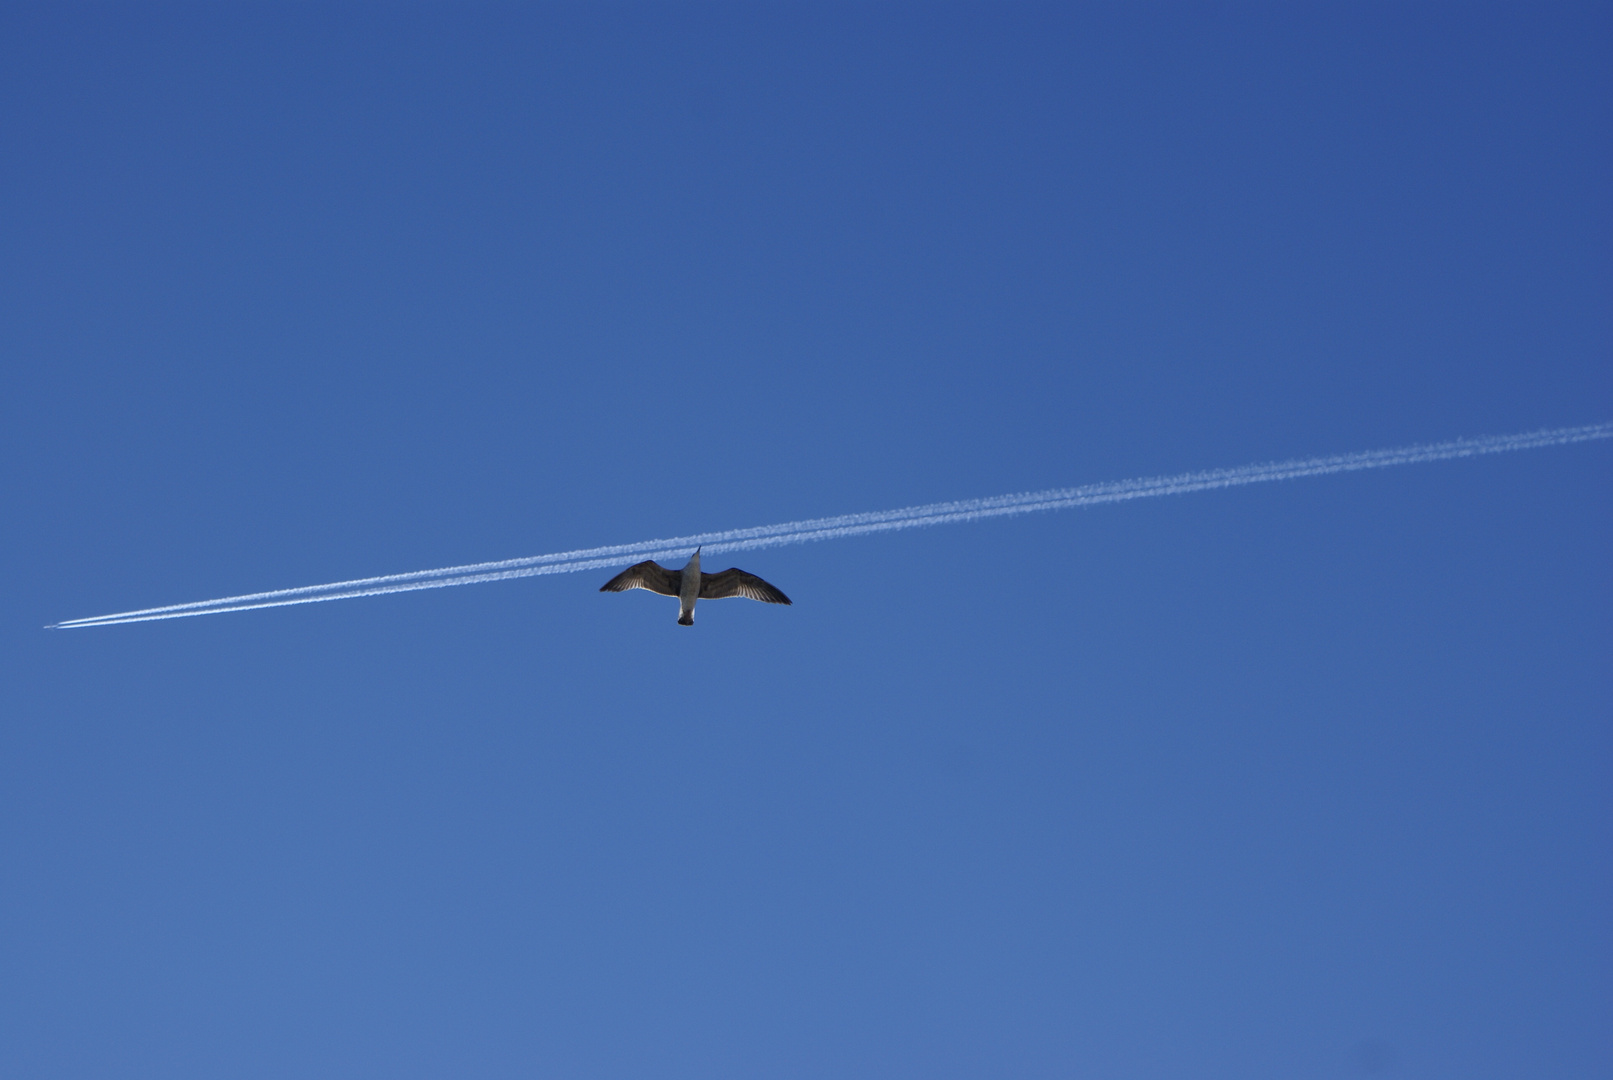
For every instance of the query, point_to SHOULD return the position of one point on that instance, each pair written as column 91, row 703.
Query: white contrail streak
column 832, row 528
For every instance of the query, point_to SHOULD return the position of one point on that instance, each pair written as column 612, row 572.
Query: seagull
column 689, row 585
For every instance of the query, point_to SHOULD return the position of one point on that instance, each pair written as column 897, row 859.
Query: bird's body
column 689, row 585
column 689, row 590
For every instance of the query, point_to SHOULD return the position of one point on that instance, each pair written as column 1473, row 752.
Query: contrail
column 833, row 528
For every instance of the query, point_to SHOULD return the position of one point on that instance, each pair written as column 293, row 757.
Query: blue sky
column 1301, row 780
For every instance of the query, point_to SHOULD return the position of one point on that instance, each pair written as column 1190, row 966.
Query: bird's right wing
column 649, row 575
column 735, row 582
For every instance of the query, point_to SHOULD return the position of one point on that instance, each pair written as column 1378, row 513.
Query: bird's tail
column 686, row 619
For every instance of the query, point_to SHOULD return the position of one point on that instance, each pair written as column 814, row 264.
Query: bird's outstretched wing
column 733, row 582
column 649, row 575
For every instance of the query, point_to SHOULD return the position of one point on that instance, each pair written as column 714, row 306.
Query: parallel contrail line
column 832, row 528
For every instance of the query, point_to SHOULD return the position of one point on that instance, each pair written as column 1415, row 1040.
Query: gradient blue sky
column 1302, row 780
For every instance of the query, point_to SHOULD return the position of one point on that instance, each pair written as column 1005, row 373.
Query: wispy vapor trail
column 833, row 528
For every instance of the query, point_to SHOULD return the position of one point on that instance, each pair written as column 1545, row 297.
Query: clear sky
column 1306, row 779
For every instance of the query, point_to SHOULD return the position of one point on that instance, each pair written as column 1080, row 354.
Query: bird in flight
column 689, row 585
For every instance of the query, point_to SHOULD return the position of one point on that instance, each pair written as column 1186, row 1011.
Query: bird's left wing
column 649, row 575
column 733, row 582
